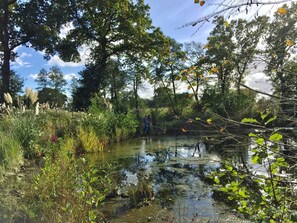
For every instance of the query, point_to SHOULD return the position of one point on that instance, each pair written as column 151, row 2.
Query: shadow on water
column 171, row 173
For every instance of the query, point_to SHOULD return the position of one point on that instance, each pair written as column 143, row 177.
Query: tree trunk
column 5, row 69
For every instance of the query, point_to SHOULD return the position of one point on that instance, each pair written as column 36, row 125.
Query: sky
column 169, row 15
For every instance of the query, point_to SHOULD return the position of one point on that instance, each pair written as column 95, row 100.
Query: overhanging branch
column 227, row 8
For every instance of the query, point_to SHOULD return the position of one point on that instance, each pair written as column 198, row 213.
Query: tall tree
column 42, row 79
column 220, row 53
column 111, row 29
column 32, row 23
column 281, row 45
column 56, row 78
column 246, row 37
column 167, row 68
column 195, row 73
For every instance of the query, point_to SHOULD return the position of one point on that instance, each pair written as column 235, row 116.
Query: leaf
column 227, row 24
column 216, row 180
column 264, row 115
column 177, row 77
column 189, row 87
column 270, row 120
column 249, row 120
column 282, row 11
column 201, row 76
column 259, row 141
column 196, row 1
column 252, row 135
column 202, row 3
column 214, row 70
column 289, row 42
column 197, row 119
column 209, row 121
column 275, row 137
column 206, row 46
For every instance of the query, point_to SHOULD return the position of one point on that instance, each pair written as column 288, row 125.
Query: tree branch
column 227, row 8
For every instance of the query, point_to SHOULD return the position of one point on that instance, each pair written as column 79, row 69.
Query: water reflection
column 176, row 168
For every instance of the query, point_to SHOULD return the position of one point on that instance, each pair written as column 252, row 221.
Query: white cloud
column 69, row 77
column 83, row 51
column 25, row 55
column 20, row 63
column 56, row 60
column 259, row 81
column 65, row 29
column 33, row 76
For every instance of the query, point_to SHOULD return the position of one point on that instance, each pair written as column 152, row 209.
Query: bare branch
column 229, row 7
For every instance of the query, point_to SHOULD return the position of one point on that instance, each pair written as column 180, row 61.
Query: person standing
column 145, row 124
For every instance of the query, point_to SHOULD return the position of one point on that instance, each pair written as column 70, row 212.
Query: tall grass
column 11, row 153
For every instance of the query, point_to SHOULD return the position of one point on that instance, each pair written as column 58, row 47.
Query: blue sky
column 169, row 15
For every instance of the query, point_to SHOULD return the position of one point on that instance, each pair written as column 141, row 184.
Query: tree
column 195, row 73
column 246, row 37
column 51, row 86
column 52, row 96
column 35, row 23
column 56, row 78
column 111, row 29
column 15, row 85
column 281, row 45
column 42, row 79
column 220, row 53
column 167, row 68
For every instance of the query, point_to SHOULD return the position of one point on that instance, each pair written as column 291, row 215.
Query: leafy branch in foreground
column 261, row 189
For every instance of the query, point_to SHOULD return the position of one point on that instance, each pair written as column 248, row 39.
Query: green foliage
column 28, row 132
column 68, row 188
column 54, row 97
column 231, row 105
column 266, row 195
column 11, row 153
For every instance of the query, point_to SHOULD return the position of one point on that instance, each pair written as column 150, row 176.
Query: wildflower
column 54, row 138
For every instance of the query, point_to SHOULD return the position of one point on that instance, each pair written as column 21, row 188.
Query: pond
column 155, row 179
column 175, row 170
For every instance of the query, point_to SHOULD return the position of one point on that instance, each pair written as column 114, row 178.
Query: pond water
column 171, row 173
column 175, row 168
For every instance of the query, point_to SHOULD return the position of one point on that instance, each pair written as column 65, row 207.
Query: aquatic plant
column 142, row 193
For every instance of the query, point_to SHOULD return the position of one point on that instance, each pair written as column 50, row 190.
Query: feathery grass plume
column 33, row 96
column 8, row 98
column 28, row 90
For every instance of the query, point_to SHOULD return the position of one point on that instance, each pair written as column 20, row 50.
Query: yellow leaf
column 189, row 87
column 206, row 46
column 227, row 24
column 282, row 11
column 289, row 42
column 181, row 72
column 177, row 77
column 209, row 121
column 202, row 3
column 206, row 79
column 196, row 1
column 214, row 70
column 201, row 76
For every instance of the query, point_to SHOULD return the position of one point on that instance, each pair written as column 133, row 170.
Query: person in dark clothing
column 145, row 124
column 149, row 121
